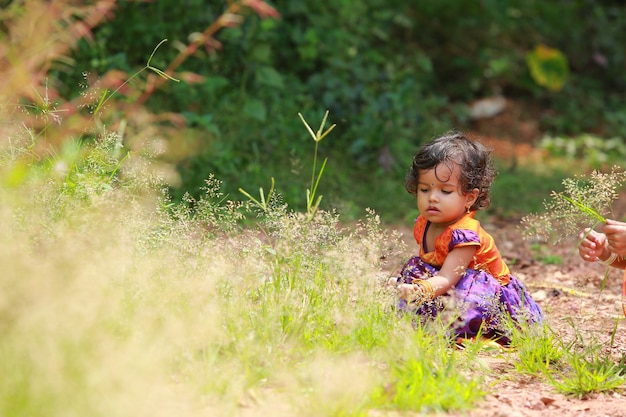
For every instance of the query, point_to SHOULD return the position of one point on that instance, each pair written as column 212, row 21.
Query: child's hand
column 592, row 245
column 407, row 292
column 393, row 282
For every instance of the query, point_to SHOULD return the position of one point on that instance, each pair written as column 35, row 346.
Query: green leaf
column 270, row 77
column 255, row 109
column 216, row 83
column 585, row 209
column 548, row 67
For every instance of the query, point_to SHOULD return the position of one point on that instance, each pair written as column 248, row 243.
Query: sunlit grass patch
column 585, row 368
column 537, row 350
column 212, row 307
column 429, row 375
column 156, row 307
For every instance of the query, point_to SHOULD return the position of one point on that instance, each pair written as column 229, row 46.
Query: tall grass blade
column 583, row 208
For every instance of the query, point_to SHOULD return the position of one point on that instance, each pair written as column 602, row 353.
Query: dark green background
column 392, row 74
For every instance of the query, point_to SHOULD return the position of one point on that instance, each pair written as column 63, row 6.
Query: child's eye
column 423, row 190
column 446, row 192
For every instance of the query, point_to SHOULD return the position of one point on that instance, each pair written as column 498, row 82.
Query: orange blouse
column 467, row 231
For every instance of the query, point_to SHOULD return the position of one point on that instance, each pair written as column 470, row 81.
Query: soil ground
column 570, row 295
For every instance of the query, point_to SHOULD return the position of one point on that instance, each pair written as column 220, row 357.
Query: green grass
column 523, row 189
column 585, row 369
column 537, row 351
column 115, row 298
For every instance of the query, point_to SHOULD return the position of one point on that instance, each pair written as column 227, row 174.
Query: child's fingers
column 405, row 291
column 583, row 250
column 588, row 236
column 392, row 282
column 589, row 257
column 597, row 240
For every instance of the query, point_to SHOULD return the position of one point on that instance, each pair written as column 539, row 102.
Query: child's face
column 439, row 196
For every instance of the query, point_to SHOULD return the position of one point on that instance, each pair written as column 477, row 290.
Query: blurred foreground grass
column 117, row 303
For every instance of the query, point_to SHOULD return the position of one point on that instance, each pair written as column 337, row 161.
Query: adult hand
column 592, row 245
column 616, row 236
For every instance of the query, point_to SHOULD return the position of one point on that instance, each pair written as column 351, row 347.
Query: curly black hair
column 477, row 170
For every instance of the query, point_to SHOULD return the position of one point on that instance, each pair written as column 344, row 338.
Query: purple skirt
column 478, row 304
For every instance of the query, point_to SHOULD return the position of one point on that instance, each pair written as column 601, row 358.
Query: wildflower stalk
column 263, row 203
column 315, row 178
column 105, row 97
column 584, row 203
column 312, row 204
column 579, row 207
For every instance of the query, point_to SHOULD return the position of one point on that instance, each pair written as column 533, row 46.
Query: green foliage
column 577, row 368
column 97, row 171
column 390, row 73
column 430, row 378
column 537, row 350
column 595, row 151
column 522, row 190
column 588, row 375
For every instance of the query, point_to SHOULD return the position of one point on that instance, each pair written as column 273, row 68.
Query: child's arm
column 453, row 268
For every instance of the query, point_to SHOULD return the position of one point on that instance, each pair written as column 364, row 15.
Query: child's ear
column 472, row 196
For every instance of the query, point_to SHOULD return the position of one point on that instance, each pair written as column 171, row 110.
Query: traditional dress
column 485, row 298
